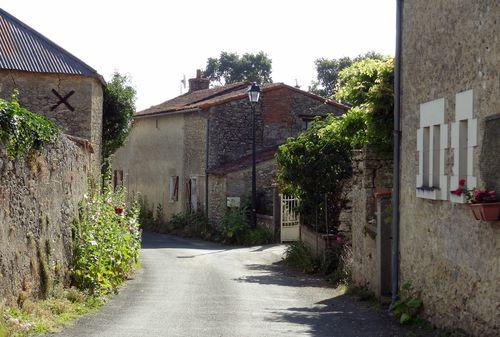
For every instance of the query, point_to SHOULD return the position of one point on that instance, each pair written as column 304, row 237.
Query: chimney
column 198, row 83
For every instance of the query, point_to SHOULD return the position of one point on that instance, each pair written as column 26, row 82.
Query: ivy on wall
column 22, row 130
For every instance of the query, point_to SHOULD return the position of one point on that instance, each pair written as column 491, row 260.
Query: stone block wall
column 39, row 198
column 239, row 184
column 35, row 93
column 449, row 257
column 369, row 174
column 280, row 114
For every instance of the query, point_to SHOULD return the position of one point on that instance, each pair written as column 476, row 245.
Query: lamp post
column 254, row 95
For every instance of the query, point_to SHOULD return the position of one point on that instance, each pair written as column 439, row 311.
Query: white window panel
column 432, row 142
column 463, row 142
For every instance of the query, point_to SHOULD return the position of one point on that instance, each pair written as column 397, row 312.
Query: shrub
column 408, row 306
column 298, row 256
column 22, row 130
column 106, row 241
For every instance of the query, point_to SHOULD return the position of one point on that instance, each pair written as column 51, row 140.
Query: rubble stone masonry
column 450, row 258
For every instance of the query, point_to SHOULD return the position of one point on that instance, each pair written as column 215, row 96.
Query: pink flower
column 461, row 182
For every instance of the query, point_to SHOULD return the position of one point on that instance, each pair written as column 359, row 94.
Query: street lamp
column 253, row 96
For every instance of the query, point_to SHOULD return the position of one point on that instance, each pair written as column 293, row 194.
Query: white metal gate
column 290, row 221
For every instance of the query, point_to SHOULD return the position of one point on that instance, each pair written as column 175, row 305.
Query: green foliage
column 328, row 72
column 298, row 256
column 335, row 265
column 368, row 85
column 107, row 241
column 317, row 162
column 233, row 228
column 22, row 130
column 408, row 306
column 40, row 317
column 231, row 68
column 118, row 108
column 190, row 224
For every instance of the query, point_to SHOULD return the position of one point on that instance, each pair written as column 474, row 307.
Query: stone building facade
column 39, row 198
column 51, row 81
column 450, row 131
column 199, row 134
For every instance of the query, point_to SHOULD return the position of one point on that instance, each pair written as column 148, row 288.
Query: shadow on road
column 340, row 316
column 276, row 274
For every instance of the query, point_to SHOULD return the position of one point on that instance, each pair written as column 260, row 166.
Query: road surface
column 192, row 288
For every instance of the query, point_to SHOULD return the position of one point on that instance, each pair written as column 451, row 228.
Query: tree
column 231, row 68
column 368, row 85
column 328, row 71
column 118, row 108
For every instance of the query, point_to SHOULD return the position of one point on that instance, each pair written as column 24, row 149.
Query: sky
column 158, row 42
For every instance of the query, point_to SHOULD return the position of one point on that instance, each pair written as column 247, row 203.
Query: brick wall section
column 35, row 93
column 452, row 259
column 369, row 173
column 39, row 199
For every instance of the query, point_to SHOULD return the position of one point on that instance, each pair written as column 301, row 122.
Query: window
column 173, row 188
column 432, row 141
column 193, row 194
column 463, row 142
column 117, row 179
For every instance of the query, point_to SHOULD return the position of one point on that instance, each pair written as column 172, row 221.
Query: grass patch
column 49, row 315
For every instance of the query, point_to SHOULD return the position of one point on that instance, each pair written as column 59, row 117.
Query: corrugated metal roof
column 23, row 48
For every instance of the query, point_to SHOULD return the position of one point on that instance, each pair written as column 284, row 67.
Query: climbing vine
column 22, row 130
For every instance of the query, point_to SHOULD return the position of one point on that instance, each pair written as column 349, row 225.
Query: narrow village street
column 192, row 288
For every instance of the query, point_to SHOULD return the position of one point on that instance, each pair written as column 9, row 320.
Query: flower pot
column 486, row 211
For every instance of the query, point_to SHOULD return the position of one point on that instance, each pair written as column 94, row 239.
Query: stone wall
column 35, row 93
column 449, row 257
column 239, row 184
column 280, row 114
column 39, row 199
column 370, row 173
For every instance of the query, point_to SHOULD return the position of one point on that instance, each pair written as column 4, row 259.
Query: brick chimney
column 198, row 83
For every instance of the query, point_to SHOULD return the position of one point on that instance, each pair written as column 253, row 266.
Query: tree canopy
column 231, row 68
column 118, row 108
column 328, row 72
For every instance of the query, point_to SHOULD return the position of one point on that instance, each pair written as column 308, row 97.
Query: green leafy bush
column 233, row 228
column 106, row 241
column 22, row 130
column 298, row 256
column 368, row 85
column 408, row 306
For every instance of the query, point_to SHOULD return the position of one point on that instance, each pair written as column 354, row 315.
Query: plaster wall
column 159, row 148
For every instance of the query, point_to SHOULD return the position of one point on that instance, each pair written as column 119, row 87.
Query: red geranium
column 119, row 210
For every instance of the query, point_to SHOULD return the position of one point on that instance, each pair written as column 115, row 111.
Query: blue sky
column 158, row 42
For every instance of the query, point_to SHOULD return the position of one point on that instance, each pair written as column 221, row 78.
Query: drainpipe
column 206, row 161
column 397, row 158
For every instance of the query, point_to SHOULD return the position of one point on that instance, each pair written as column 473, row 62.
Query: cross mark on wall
column 62, row 100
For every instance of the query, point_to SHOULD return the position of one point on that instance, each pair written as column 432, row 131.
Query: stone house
column 450, row 102
column 51, row 81
column 197, row 146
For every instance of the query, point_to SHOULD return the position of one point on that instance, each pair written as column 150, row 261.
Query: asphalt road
column 191, row 288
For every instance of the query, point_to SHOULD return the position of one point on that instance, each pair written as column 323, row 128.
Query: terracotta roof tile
column 204, row 99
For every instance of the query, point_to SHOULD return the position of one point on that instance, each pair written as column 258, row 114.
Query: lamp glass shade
column 254, row 93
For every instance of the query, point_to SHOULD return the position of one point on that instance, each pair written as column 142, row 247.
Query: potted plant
column 483, row 202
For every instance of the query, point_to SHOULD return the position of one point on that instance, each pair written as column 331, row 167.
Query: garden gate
column 290, row 220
